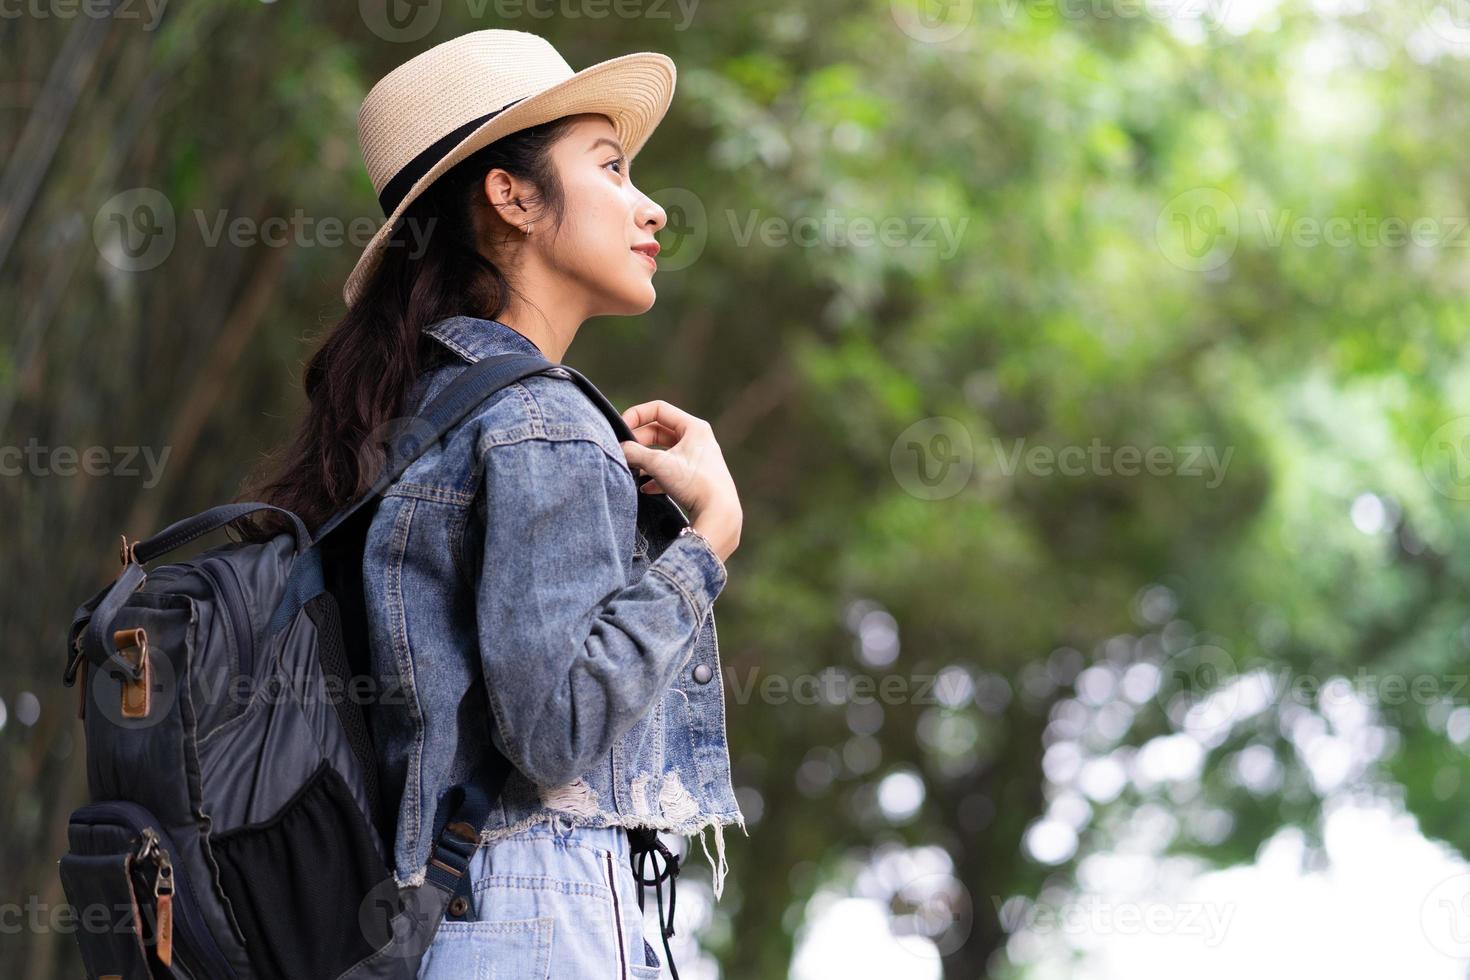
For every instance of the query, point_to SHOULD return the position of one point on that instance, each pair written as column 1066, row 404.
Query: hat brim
column 633, row 90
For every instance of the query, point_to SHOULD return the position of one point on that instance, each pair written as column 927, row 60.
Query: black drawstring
column 644, row 841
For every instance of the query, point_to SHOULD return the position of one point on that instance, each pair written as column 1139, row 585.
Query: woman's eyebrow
column 609, row 141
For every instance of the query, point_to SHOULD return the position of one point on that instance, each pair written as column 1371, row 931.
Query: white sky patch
column 850, row 938
column 1389, row 903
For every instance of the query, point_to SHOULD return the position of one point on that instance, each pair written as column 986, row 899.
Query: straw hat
column 434, row 110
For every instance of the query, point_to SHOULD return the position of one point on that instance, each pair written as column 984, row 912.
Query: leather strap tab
column 137, row 693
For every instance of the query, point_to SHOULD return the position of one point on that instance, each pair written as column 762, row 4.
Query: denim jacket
column 520, row 589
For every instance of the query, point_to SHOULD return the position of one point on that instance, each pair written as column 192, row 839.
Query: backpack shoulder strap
column 450, row 407
column 615, row 419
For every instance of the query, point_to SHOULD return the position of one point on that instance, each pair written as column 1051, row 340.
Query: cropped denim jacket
column 522, row 591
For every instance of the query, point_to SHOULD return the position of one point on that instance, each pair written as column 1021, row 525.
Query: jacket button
column 702, row 673
column 458, row 905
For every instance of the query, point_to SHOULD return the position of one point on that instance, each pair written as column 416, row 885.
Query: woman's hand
column 691, row 470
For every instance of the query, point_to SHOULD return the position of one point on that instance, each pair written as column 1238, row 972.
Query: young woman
column 522, row 593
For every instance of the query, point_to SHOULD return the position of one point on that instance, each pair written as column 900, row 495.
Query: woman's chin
column 632, row 301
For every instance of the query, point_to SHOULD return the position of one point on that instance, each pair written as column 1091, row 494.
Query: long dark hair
column 361, row 375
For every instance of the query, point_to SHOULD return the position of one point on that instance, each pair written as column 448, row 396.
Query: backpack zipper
column 194, row 935
column 228, row 586
column 163, row 895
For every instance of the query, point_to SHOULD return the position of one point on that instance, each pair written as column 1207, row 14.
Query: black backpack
column 235, row 829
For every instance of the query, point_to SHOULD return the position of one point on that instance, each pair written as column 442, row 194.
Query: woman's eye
column 616, row 163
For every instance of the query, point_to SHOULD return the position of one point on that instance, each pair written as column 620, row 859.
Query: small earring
column 528, row 227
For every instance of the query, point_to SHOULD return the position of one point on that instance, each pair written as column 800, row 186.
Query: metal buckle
column 464, row 832
column 70, row 676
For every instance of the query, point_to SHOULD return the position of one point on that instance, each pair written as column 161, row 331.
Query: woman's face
column 596, row 252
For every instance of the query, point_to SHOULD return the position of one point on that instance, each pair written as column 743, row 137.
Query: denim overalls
column 521, row 591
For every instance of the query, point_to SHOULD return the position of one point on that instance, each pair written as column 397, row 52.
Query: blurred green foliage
column 1174, row 235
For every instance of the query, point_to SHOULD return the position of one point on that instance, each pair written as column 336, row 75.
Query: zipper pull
column 163, row 897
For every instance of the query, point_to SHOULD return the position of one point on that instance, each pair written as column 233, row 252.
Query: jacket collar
column 473, row 338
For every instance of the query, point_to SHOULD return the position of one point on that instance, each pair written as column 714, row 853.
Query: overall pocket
column 650, row 969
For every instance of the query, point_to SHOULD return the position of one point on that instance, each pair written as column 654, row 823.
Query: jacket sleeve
column 572, row 653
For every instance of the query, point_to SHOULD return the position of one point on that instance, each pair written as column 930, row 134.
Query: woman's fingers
column 690, row 469
column 688, row 465
column 656, row 434
column 644, row 458
column 666, row 467
column 637, row 454
column 675, row 419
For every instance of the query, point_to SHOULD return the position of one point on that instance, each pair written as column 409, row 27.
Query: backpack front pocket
column 307, row 925
column 137, row 910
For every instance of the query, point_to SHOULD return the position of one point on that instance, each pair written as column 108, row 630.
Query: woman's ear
column 509, row 199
